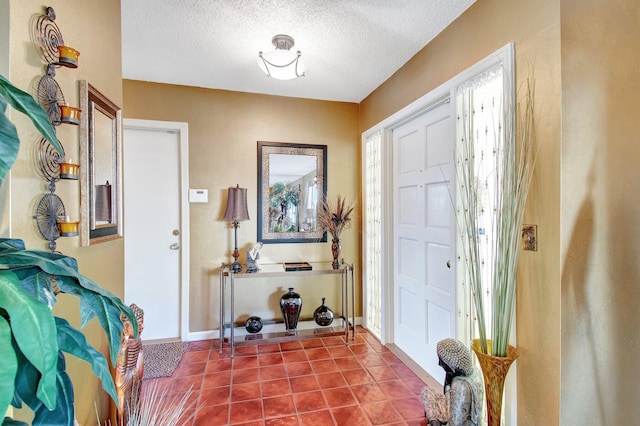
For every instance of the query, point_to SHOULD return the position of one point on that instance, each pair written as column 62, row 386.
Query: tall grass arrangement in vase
column 335, row 218
column 514, row 158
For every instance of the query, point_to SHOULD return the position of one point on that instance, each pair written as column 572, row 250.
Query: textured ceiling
column 349, row 46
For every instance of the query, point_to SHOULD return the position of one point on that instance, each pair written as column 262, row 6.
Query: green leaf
column 9, row 142
column 73, row 342
column 23, row 102
column 8, row 421
column 8, row 366
column 109, row 317
column 63, row 413
column 34, row 331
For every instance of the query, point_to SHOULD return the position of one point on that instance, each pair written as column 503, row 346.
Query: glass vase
column 336, row 248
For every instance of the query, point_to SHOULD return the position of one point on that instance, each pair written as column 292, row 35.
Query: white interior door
column 424, row 235
column 154, row 240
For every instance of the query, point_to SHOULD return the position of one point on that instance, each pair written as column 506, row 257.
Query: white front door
column 424, row 235
column 154, row 240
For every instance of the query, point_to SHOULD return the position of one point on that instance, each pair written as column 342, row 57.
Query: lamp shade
column 282, row 63
column 237, row 204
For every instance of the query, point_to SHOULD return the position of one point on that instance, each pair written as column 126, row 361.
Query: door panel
column 424, row 284
column 152, row 225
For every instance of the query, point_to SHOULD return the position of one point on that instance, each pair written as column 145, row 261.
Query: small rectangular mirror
column 100, row 167
column 292, row 183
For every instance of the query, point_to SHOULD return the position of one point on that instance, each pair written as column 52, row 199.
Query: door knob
column 175, row 246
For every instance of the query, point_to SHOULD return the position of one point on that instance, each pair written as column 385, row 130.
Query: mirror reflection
column 100, row 151
column 292, row 184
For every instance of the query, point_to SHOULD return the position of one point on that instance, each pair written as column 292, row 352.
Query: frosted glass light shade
column 282, row 63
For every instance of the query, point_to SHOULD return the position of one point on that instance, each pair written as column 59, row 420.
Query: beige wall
column 93, row 28
column 600, row 243
column 534, row 27
column 224, row 128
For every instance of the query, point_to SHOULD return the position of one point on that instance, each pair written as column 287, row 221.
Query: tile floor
column 318, row 381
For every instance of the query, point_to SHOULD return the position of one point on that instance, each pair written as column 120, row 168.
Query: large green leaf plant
column 33, row 341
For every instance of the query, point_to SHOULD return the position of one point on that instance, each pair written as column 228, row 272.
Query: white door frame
column 182, row 129
column 504, row 56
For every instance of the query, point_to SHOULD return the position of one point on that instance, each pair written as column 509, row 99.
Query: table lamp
column 236, row 211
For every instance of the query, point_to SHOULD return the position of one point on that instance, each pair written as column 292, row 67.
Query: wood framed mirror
column 100, row 167
column 292, row 182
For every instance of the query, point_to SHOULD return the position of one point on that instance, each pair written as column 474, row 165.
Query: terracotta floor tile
column 372, row 360
column 195, row 356
column 312, row 343
column 183, row 384
column 415, row 384
column 246, row 350
column 200, row 345
column 298, row 369
column 339, row 397
column 278, row 406
column 403, row 371
column 294, row 356
column 340, row 351
column 333, row 341
column 309, row 401
column 272, row 372
column 350, row 416
column 219, row 365
column 251, row 423
column 357, row 377
column 409, row 408
column 275, row 387
column 317, row 418
column 215, row 396
column 245, row 391
column 323, row 366
column 245, row 411
column 347, row 363
column 382, row 373
column 212, row 415
column 381, row 412
column 361, row 349
column 304, row 384
column 213, row 380
column 317, row 353
column 245, row 376
column 270, row 359
column 291, row 346
column 282, row 421
column 190, row 369
column 368, row 393
column 330, row 380
column 268, row 348
column 241, row 362
column 395, row 389
column 390, row 358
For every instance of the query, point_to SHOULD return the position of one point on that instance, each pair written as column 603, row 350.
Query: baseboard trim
column 413, row 366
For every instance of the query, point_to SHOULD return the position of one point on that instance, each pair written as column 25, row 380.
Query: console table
column 346, row 271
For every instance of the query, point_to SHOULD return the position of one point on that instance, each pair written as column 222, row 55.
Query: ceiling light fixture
column 281, row 63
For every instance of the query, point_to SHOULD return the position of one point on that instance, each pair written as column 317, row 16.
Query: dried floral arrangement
column 334, row 218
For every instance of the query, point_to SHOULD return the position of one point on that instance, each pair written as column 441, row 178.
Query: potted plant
column 33, row 341
column 512, row 164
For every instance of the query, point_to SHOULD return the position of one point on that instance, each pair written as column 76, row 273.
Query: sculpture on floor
column 129, row 367
column 462, row 400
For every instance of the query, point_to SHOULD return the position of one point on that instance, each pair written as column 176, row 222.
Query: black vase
column 253, row 324
column 291, row 306
column 323, row 315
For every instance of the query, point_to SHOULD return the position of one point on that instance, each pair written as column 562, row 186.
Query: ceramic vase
column 291, row 306
column 323, row 315
column 253, row 324
column 494, row 371
column 336, row 248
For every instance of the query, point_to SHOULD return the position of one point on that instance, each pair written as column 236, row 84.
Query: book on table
column 297, row 266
